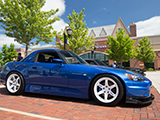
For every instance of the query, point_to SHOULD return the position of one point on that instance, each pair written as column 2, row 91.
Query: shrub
column 148, row 69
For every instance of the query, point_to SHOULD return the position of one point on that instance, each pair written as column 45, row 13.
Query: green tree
column 8, row 53
column 24, row 21
column 120, row 49
column 79, row 40
column 144, row 51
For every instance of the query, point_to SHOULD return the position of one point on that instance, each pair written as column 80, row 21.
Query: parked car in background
column 63, row 73
column 98, row 62
column 138, row 70
column 95, row 62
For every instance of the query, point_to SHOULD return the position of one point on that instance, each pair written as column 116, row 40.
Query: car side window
column 47, row 57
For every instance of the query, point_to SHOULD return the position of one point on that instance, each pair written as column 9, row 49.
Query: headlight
column 134, row 77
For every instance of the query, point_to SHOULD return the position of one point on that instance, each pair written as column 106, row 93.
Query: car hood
column 104, row 69
column 115, row 71
column 110, row 69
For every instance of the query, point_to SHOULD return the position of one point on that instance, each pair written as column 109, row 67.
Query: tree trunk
column 26, row 51
column 75, row 50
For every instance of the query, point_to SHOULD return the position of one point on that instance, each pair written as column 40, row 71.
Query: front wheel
column 107, row 90
column 15, row 83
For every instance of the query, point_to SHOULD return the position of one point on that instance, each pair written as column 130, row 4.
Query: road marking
column 29, row 114
column 2, row 86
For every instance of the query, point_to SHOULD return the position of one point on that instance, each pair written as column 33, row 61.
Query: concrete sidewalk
column 154, row 76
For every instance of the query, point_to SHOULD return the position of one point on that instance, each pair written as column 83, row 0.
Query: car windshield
column 71, row 58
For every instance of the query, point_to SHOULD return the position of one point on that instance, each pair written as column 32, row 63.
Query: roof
column 98, row 30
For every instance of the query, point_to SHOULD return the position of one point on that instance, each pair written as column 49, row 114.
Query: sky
column 144, row 13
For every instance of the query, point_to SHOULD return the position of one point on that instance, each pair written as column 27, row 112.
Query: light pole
column 69, row 32
column 92, row 52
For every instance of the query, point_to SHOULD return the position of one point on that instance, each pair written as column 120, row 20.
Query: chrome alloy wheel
column 106, row 90
column 13, row 83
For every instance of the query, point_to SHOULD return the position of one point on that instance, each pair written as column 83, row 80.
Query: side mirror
column 60, row 61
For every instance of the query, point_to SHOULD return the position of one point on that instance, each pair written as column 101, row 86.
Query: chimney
column 133, row 30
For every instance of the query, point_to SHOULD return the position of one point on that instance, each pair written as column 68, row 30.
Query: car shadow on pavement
column 90, row 101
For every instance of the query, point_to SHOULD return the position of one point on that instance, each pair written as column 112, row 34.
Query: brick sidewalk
column 74, row 109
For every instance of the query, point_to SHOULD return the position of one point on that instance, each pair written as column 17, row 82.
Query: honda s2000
column 63, row 73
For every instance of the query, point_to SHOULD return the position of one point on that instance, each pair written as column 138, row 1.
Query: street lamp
column 69, row 32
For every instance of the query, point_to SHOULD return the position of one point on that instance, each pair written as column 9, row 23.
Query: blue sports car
column 63, row 73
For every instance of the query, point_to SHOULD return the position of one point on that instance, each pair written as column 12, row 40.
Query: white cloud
column 35, row 46
column 58, row 25
column 8, row 40
column 54, row 4
column 94, row 22
column 41, row 46
column 148, row 27
column 102, row 9
column 47, row 45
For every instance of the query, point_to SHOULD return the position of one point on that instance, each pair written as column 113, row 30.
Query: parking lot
column 37, row 106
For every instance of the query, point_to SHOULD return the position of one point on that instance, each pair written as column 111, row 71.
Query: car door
column 42, row 72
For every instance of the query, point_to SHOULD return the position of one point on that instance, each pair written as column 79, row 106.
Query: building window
column 119, row 29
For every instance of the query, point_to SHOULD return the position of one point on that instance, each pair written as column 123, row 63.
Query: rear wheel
column 15, row 83
column 107, row 90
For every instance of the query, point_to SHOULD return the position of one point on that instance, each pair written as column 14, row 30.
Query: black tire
column 15, row 83
column 107, row 90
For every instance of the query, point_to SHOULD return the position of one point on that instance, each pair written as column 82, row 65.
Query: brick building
column 101, row 36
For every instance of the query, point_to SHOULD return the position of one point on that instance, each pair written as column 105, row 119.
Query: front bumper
column 140, row 100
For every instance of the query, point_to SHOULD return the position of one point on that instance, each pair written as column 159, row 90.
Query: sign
column 103, row 46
